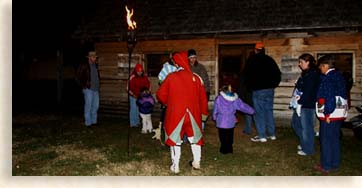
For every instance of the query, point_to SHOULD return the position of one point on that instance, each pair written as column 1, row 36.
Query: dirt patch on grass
column 72, row 151
column 133, row 168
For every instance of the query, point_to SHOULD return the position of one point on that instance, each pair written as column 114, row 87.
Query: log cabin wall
column 284, row 48
column 113, row 66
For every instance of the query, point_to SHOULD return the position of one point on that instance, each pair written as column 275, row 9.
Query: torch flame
column 131, row 24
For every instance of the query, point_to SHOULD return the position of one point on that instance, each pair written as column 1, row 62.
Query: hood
column 227, row 97
column 138, row 67
column 182, row 60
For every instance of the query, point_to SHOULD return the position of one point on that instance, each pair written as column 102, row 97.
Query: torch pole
column 131, row 43
column 129, row 96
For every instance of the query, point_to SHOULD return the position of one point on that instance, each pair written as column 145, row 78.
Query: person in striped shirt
column 168, row 67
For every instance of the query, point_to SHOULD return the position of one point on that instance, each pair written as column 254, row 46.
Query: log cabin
column 223, row 33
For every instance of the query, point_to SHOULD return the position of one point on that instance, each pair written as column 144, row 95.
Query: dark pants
column 162, row 119
column 226, row 137
column 330, row 144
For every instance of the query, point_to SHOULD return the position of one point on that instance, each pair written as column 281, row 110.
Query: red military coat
column 185, row 97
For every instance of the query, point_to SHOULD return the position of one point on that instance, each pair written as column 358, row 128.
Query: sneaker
column 257, row 139
column 174, row 168
column 272, row 137
column 144, row 132
column 316, row 134
column 300, row 152
column 299, row 147
column 195, row 165
column 321, row 169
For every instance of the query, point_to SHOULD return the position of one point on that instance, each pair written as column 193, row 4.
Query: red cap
column 259, row 45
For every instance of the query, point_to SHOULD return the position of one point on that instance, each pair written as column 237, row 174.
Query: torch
column 131, row 43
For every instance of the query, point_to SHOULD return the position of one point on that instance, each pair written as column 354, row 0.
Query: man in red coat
column 184, row 95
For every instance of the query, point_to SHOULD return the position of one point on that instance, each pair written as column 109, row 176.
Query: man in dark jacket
column 262, row 76
column 88, row 76
column 200, row 70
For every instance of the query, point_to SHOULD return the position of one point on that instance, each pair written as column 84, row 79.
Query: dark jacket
column 261, row 72
column 200, row 70
column 83, row 75
column 308, row 83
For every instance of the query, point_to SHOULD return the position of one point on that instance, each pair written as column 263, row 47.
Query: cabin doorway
column 231, row 63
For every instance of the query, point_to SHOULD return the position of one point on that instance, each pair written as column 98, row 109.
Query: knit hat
column 138, row 68
column 191, row 53
column 92, row 54
column 259, row 45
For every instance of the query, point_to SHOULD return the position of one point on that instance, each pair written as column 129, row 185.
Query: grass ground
column 59, row 145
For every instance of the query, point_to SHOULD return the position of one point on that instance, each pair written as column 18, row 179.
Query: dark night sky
column 47, row 24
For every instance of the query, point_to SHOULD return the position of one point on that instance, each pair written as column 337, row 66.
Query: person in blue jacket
column 331, row 109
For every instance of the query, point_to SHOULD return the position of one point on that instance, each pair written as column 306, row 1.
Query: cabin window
column 344, row 61
column 291, row 71
column 154, row 63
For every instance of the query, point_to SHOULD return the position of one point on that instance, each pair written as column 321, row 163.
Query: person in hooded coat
column 225, row 106
column 137, row 81
column 184, row 95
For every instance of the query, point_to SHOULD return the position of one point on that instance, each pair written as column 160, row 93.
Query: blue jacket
column 225, row 107
column 332, row 85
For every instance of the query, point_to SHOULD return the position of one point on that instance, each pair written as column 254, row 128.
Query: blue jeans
column 91, row 105
column 330, row 144
column 263, row 101
column 304, row 128
column 134, row 114
column 247, row 126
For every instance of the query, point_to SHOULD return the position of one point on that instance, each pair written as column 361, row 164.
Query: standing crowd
column 184, row 92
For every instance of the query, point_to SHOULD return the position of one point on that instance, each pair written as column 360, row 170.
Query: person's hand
column 204, row 118
column 299, row 110
column 328, row 120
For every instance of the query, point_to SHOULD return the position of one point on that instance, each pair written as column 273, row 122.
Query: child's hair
column 327, row 59
column 145, row 90
column 227, row 90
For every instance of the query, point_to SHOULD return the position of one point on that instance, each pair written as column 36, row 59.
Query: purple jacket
column 225, row 107
column 145, row 103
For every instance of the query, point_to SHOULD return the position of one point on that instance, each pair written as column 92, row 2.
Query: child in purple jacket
column 225, row 106
column 146, row 103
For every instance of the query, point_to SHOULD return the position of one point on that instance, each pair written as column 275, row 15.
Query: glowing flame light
column 131, row 24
